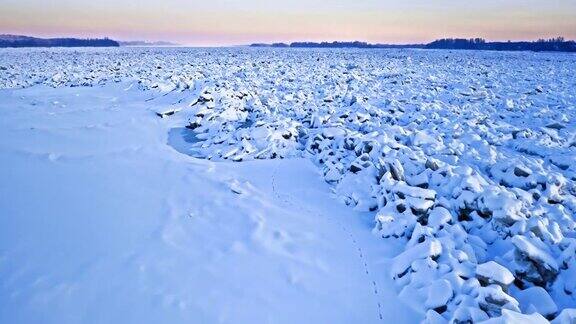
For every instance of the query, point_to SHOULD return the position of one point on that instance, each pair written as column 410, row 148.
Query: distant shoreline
column 18, row 41
column 550, row 45
column 558, row 44
column 147, row 44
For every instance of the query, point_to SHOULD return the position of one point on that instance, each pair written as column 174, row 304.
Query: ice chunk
column 492, row 272
column 567, row 316
column 538, row 299
column 439, row 294
column 511, row 317
column 401, row 263
column 438, row 217
column 493, row 299
column 534, row 253
column 432, row 317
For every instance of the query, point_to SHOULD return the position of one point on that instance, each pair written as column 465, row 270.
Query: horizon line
column 180, row 44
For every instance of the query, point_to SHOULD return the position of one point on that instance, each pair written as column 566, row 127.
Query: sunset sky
column 229, row 22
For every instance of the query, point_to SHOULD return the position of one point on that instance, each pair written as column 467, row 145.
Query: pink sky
column 227, row 22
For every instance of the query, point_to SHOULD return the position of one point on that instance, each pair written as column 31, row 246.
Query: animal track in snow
column 289, row 201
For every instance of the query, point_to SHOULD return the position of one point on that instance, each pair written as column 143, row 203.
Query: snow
column 567, row 316
column 438, row 217
column 439, row 294
column 267, row 185
column 510, row 317
column 537, row 300
column 102, row 221
column 494, row 273
column 426, row 249
column 534, row 253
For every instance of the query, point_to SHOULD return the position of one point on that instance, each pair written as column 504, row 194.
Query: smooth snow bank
column 103, row 222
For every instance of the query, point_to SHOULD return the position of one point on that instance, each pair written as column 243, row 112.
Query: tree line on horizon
column 558, row 44
column 25, row 41
column 336, row 44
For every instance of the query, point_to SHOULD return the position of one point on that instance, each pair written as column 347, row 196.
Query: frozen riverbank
column 103, row 222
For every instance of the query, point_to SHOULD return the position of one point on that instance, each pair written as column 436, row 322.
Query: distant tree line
column 146, row 43
column 25, row 41
column 558, row 44
column 355, row 44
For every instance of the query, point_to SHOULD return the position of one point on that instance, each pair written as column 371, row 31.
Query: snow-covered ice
column 265, row 185
column 103, row 222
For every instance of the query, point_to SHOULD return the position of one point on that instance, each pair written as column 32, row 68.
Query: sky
column 229, row 22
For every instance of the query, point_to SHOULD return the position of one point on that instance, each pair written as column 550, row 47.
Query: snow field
column 103, row 222
column 467, row 159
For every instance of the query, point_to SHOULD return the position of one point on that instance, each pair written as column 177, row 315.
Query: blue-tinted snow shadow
column 182, row 140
